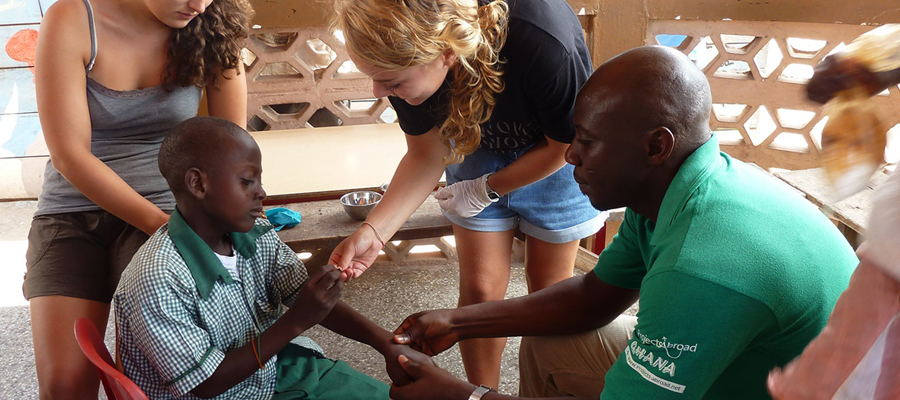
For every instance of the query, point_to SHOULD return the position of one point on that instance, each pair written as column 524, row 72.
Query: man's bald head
column 638, row 117
column 649, row 87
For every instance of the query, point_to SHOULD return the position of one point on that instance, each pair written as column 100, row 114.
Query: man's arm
column 573, row 305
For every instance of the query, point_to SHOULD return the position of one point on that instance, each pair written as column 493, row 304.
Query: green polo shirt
column 179, row 311
column 737, row 275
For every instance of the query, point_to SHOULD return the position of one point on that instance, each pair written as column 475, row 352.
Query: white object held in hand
column 466, row 198
column 883, row 233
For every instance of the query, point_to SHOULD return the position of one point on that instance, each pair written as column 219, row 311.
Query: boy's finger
column 331, row 277
column 412, row 368
column 324, row 275
column 338, row 285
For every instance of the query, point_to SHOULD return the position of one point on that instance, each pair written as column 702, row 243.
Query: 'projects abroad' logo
column 642, row 356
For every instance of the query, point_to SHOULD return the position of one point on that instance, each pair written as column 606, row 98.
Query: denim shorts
column 553, row 209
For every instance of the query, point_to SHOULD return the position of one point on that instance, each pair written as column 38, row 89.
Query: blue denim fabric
column 553, row 209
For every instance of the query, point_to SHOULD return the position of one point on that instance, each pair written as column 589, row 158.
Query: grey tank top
column 127, row 128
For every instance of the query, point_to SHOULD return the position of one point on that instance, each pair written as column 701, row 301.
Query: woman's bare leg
column 484, row 262
column 63, row 371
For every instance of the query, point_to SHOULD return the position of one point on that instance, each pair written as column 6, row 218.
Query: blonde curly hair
column 397, row 34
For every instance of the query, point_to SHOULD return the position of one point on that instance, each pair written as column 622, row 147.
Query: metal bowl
column 359, row 204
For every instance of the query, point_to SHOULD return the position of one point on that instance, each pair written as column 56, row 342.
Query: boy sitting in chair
column 212, row 305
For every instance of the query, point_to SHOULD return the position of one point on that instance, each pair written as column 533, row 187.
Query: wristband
column 479, row 391
column 377, row 235
column 256, row 352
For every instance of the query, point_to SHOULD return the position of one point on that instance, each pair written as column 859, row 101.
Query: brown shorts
column 80, row 254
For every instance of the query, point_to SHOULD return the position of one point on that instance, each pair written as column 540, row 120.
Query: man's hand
column 317, row 297
column 429, row 382
column 398, row 376
column 356, row 253
column 430, row 332
column 464, row 198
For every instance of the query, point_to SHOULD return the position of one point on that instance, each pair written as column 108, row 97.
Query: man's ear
column 195, row 182
column 660, row 145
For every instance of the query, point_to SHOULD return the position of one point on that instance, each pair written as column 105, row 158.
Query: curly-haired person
column 112, row 77
column 484, row 92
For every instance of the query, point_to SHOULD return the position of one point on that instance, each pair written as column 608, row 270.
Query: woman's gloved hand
column 465, row 198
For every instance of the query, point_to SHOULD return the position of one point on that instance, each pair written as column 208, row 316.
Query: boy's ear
column 195, row 182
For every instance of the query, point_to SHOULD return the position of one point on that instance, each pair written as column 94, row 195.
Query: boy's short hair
column 196, row 143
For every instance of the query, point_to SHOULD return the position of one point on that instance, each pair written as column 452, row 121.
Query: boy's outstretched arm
column 346, row 321
column 318, row 296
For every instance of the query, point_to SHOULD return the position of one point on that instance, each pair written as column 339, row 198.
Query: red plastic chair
column 115, row 383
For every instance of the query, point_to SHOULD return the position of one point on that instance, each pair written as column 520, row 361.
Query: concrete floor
column 387, row 293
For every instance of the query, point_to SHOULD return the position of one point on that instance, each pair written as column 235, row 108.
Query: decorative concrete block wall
column 756, row 70
column 303, row 78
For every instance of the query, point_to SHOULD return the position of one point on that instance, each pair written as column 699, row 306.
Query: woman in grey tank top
column 112, row 77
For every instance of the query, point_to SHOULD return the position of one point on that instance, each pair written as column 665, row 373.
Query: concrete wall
column 622, row 24
column 614, row 25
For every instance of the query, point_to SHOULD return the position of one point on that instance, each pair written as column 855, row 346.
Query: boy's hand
column 429, row 382
column 398, row 376
column 430, row 332
column 317, row 296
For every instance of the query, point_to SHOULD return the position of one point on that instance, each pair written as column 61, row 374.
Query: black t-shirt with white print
column 545, row 63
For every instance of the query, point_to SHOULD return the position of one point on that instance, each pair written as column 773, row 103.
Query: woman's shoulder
column 66, row 20
column 68, row 12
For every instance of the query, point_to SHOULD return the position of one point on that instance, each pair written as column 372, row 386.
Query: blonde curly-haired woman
column 484, row 92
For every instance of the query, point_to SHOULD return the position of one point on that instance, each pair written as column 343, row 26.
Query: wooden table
column 323, row 162
column 851, row 214
column 325, row 224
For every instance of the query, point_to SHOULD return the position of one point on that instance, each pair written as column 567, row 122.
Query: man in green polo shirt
column 212, row 305
column 735, row 272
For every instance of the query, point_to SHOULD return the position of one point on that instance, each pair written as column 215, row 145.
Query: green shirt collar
column 693, row 172
column 205, row 267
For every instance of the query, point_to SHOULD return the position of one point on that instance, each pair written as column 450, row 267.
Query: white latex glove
column 464, row 198
column 883, row 234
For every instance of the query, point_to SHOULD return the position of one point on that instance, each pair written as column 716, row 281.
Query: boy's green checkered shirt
column 179, row 311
